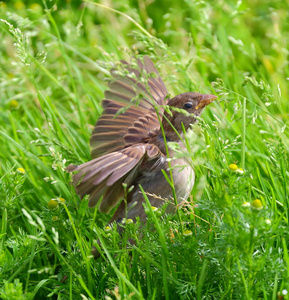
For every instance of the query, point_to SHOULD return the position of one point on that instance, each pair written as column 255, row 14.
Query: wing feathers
column 129, row 108
column 125, row 168
column 107, row 173
column 120, row 136
column 112, row 168
column 111, row 197
column 103, row 148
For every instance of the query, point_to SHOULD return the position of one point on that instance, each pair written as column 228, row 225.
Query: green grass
column 54, row 64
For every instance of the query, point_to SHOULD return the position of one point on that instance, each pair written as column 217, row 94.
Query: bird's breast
column 183, row 176
column 159, row 190
column 154, row 182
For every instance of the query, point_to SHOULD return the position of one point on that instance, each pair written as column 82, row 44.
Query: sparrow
column 129, row 144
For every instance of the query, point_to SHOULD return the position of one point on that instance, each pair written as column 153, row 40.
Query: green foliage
column 55, row 58
column 12, row 291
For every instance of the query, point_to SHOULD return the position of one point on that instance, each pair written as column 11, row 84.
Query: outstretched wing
column 105, row 175
column 129, row 115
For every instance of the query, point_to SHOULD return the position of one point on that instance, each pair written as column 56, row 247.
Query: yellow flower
column 233, row 167
column 154, row 208
column 55, row 218
column 129, row 221
column 107, row 228
column 52, row 204
column 187, row 233
column 21, row 170
column 257, row 204
column 246, row 204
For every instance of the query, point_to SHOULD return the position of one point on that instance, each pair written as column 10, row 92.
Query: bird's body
column 129, row 144
column 157, row 188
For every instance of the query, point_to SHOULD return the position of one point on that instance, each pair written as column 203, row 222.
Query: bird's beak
column 206, row 100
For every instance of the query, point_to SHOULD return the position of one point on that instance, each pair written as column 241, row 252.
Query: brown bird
column 129, row 147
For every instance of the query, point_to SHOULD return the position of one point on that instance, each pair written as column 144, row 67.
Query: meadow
column 230, row 239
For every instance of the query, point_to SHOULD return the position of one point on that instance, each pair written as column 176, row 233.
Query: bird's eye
column 188, row 105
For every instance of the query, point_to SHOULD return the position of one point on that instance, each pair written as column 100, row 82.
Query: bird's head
column 193, row 103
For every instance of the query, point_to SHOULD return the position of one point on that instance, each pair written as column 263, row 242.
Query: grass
column 55, row 60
